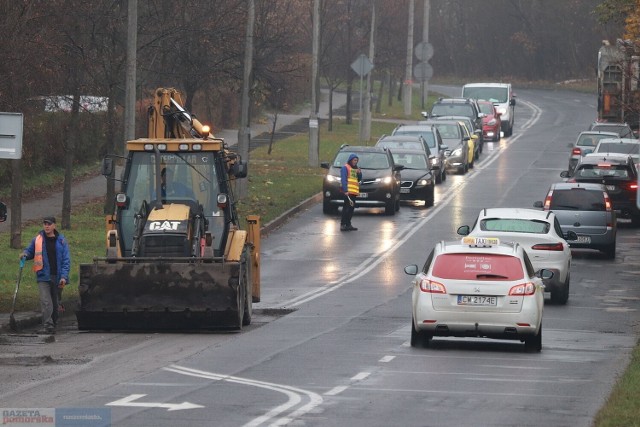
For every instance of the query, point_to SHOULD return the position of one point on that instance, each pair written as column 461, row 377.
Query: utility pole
column 365, row 121
column 314, row 146
column 244, row 132
column 425, row 39
column 130, row 84
column 408, row 81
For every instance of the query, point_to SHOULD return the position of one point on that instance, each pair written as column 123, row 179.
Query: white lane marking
column 387, row 359
column 406, row 232
column 360, row 376
column 129, row 401
column 294, row 395
column 336, row 390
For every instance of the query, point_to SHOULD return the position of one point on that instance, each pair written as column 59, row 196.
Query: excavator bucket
column 161, row 294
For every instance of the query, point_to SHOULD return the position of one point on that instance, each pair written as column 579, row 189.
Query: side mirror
column 107, row 166
column 544, row 274
column 538, row 204
column 411, row 270
column 565, row 174
column 570, row 235
column 240, row 169
column 398, row 168
column 425, row 114
column 464, row 230
column 512, row 102
column 324, row 165
column 3, row 212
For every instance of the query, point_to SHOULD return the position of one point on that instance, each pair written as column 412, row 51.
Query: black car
column 414, row 137
column 618, row 174
column 417, row 181
column 3, row 212
column 380, row 185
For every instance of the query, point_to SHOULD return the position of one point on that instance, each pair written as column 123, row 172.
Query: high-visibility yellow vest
column 353, row 186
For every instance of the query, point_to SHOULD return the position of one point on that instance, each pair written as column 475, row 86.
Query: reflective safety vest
column 353, row 187
column 38, row 263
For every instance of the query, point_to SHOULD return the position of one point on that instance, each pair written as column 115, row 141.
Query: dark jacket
column 62, row 256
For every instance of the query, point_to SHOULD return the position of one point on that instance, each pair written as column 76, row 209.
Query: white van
column 502, row 96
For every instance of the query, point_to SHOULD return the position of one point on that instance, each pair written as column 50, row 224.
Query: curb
column 282, row 219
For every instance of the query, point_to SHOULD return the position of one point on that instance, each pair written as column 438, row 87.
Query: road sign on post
column 424, row 51
column 10, row 135
column 423, row 71
column 362, row 66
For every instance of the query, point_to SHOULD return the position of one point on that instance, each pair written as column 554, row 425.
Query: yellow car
column 473, row 141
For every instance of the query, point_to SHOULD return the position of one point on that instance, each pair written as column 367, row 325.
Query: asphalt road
column 330, row 345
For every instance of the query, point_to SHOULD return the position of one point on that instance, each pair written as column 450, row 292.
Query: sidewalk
column 90, row 189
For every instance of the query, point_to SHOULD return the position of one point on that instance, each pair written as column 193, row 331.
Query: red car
column 491, row 124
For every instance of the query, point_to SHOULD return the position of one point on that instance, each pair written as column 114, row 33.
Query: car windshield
column 587, row 141
column 515, row 225
column 602, row 170
column 474, row 267
column 486, row 108
column 452, row 110
column 616, row 147
column 406, row 145
column 365, row 160
column 492, row 94
column 449, row 131
column 411, row 160
column 578, row 199
column 426, row 135
column 622, row 130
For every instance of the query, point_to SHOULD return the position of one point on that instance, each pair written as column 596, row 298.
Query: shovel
column 12, row 321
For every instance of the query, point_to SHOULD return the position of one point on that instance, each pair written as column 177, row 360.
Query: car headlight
column 332, row 178
column 422, row 182
column 385, row 180
column 457, row 152
column 492, row 122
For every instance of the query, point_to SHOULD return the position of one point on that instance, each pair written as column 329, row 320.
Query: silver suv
column 585, row 209
column 437, row 147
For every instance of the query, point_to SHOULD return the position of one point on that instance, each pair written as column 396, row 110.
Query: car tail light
column 576, row 151
column 523, row 289
column 547, row 201
column 432, row 287
column 633, row 186
column 607, row 202
column 548, row 247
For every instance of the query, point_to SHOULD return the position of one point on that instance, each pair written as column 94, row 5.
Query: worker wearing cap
column 49, row 251
column 350, row 177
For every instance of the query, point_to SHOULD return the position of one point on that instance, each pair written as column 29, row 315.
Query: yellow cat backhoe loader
column 176, row 257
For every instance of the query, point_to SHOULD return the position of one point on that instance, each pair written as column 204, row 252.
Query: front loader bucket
column 160, row 295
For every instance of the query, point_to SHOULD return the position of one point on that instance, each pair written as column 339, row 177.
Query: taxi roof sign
column 480, row 241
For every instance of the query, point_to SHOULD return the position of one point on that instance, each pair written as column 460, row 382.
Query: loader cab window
column 189, row 179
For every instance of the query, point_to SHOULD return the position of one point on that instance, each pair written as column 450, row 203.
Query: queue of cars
column 492, row 282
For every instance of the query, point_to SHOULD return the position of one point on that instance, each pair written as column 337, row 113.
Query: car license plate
column 404, row 190
column 363, row 195
column 477, row 300
column 611, row 187
column 584, row 239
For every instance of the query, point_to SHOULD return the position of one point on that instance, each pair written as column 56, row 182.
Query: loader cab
column 194, row 181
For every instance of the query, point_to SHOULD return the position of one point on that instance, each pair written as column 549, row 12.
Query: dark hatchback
column 617, row 172
column 418, row 182
column 380, row 186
